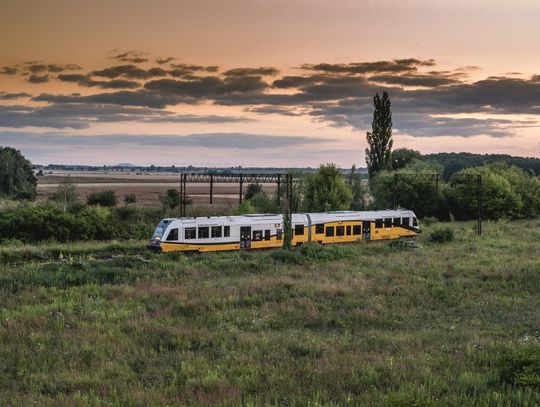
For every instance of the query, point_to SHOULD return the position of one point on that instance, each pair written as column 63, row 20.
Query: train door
column 245, row 237
column 366, row 230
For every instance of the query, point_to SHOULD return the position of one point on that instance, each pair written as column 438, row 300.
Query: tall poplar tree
column 378, row 152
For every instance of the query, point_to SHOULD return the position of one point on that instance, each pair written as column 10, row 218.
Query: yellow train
column 248, row 232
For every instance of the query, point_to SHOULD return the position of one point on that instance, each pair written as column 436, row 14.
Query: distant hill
column 454, row 162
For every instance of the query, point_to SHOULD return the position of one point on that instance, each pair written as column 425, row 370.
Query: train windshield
column 158, row 234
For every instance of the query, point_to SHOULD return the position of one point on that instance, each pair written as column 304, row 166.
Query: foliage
column 16, row 177
column 287, row 231
column 105, row 198
column 252, row 190
column 243, row 208
column 326, row 190
column 418, row 194
column 507, row 192
column 455, row 162
column 522, row 366
column 378, row 152
column 172, row 199
column 66, row 193
column 264, row 204
column 403, row 157
column 130, row 199
column 31, row 223
column 359, row 190
column 441, row 234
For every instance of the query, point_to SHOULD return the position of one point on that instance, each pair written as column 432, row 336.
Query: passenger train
column 248, row 232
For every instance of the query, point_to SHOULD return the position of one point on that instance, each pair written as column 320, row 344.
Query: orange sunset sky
column 265, row 83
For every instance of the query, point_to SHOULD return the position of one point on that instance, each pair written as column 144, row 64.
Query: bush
column 252, row 190
column 172, row 199
column 522, row 367
column 43, row 222
column 441, row 234
column 103, row 198
column 130, row 199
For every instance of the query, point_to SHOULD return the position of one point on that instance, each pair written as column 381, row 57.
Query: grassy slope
column 367, row 323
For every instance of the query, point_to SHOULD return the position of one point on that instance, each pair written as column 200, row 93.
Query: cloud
column 12, row 96
column 135, row 57
column 268, row 71
column 224, row 141
column 38, row 78
column 429, row 81
column 8, row 70
column 81, row 116
column 396, row 65
column 163, row 61
column 207, row 87
column 85, row 80
column 272, row 110
column 35, row 67
column 130, row 71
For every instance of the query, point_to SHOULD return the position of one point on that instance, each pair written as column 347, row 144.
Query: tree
column 65, row 194
column 264, row 204
column 103, row 198
column 252, row 190
column 358, row 189
column 326, row 190
column 417, row 194
column 380, row 139
column 16, row 177
column 402, row 157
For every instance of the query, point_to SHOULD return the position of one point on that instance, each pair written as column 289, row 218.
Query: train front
column 159, row 235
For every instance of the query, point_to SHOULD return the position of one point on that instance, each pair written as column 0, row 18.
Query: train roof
column 277, row 218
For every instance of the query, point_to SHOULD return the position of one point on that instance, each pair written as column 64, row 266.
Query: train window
column 340, row 230
column 226, row 231
column 397, row 221
column 190, row 233
column 329, row 231
column 203, row 233
column 279, row 234
column 257, row 235
column 216, row 231
column 298, row 229
column 388, row 222
column 348, row 230
column 378, row 223
column 414, row 222
column 319, row 228
column 173, row 235
column 357, row 230
column 405, row 221
column 267, row 234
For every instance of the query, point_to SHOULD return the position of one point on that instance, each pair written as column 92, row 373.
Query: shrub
column 130, row 199
column 326, row 190
column 441, row 234
column 43, row 222
column 252, row 190
column 103, row 198
column 522, row 367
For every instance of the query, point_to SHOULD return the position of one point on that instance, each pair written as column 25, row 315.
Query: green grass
column 455, row 323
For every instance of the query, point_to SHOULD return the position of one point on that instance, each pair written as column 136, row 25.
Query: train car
column 264, row 231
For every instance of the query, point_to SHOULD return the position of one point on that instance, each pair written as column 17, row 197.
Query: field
column 454, row 323
column 147, row 187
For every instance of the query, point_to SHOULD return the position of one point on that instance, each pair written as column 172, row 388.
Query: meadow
column 373, row 324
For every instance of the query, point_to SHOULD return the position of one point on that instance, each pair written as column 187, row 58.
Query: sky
column 265, row 82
